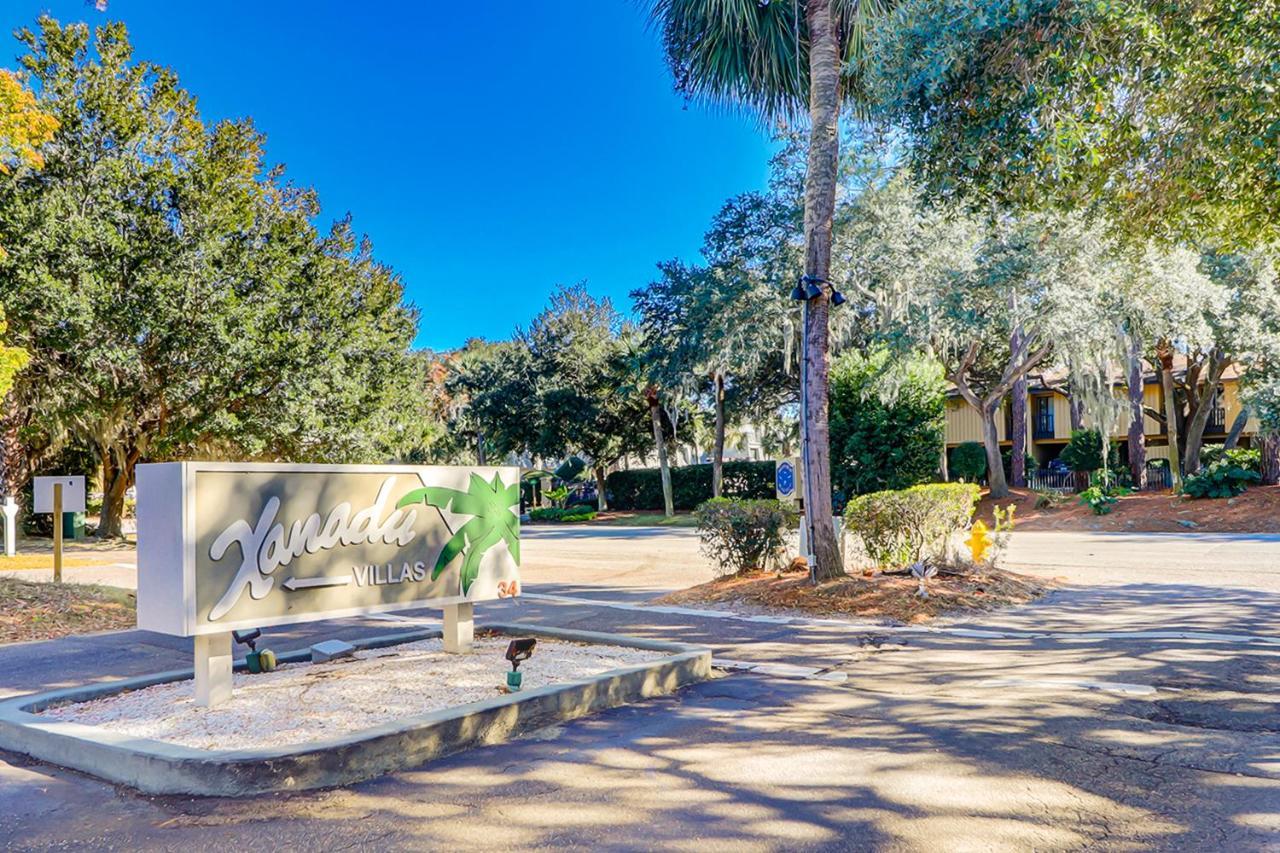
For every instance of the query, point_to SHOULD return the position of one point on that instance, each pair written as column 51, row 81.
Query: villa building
column 1050, row 417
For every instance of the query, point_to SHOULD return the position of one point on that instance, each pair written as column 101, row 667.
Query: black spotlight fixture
column 810, row 287
column 837, row 298
column 518, row 651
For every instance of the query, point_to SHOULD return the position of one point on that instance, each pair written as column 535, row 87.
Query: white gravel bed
column 303, row 702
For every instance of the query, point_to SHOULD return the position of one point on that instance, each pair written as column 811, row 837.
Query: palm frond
column 755, row 53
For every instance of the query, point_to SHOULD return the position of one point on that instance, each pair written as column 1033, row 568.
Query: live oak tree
column 777, row 59
column 577, row 346
column 1162, row 114
column 170, row 287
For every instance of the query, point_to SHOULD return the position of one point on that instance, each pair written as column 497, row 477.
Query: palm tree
column 769, row 57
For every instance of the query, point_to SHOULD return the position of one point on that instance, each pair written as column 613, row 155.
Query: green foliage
column 740, row 535
column 1247, row 458
column 566, row 514
column 641, row 488
column 757, row 54
column 172, row 292
column 1222, row 479
column 969, row 462
column 1071, row 104
column 1083, row 452
column 886, row 422
column 908, row 525
column 1098, row 499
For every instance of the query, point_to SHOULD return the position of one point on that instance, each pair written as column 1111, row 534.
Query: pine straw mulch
column 43, row 611
column 879, row 596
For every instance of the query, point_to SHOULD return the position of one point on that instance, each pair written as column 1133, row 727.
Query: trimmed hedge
column 641, row 488
column 577, row 512
column 740, row 535
column 902, row 527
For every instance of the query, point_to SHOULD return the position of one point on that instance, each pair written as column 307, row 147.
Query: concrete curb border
column 156, row 767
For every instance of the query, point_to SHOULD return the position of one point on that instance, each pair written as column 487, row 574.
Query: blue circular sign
column 786, row 479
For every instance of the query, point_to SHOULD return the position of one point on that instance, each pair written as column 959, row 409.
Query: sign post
column 57, row 533
column 57, row 495
column 226, row 546
column 10, row 509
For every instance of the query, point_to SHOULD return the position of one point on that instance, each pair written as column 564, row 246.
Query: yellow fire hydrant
column 979, row 541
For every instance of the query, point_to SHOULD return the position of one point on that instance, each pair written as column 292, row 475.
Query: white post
column 459, row 627
column 10, row 526
column 213, row 669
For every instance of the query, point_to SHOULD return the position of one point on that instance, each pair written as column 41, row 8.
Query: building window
column 1044, row 417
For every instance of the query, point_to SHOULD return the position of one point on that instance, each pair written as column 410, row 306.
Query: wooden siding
column 964, row 423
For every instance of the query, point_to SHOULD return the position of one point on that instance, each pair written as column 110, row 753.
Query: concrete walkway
column 1137, row 715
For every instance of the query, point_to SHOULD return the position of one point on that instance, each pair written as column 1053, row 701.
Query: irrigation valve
column 518, row 651
column 257, row 661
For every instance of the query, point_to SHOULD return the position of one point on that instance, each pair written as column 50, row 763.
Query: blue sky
column 489, row 155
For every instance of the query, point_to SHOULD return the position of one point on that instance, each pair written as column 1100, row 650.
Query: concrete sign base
column 155, row 767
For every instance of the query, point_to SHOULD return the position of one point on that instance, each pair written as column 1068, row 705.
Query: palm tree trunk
column 1137, row 417
column 819, row 210
column 1165, row 353
column 655, row 417
column 717, row 458
column 1269, row 444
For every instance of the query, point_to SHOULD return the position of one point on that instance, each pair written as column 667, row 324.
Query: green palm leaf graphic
column 490, row 504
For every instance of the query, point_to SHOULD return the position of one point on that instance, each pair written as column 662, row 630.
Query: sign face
column 224, row 546
column 72, row 493
column 785, row 480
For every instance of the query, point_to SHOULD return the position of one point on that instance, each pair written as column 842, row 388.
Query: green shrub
column 902, row 527
column 886, row 423
column 641, row 488
column 1084, row 452
column 740, row 535
column 969, row 461
column 1098, row 499
column 1222, row 479
column 566, row 514
column 1246, row 458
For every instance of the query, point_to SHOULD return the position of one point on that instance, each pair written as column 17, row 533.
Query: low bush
column 1222, row 479
column 566, row 514
column 906, row 526
column 969, row 461
column 740, row 535
column 641, row 488
column 1243, row 457
column 1098, row 499
column 1083, row 453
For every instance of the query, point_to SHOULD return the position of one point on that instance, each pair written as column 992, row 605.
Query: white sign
column 786, row 479
column 72, row 493
column 224, row 546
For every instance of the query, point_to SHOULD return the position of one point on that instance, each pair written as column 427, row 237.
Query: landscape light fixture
column 808, row 288
column 837, row 298
column 518, row 651
column 256, row 661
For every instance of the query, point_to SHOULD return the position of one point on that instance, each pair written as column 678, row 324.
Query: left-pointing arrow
column 310, row 583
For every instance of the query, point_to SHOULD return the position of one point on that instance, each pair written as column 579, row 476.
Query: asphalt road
column 1135, row 714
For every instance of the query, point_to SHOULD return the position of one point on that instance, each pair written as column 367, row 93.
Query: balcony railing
column 1217, row 421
